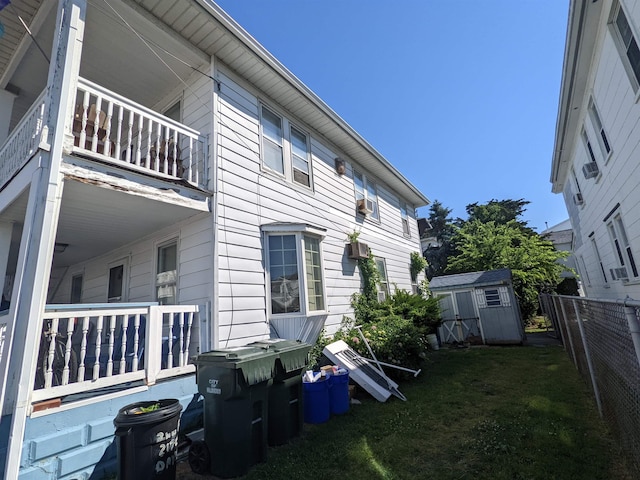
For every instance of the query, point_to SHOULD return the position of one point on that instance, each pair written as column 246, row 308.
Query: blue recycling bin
column 316, row 401
column 339, row 393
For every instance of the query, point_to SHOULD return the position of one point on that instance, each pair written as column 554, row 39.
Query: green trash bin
column 234, row 383
column 286, row 413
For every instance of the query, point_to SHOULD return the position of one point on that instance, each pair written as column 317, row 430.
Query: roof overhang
column 582, row 32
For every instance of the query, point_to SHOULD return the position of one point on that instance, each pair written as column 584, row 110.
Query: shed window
column 492, row 297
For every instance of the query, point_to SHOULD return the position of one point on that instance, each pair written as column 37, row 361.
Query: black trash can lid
column 148, row 412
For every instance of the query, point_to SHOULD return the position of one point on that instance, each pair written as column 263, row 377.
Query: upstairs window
column 599, row 259
column 116, row 289
column 603, row 141
column 627, row 44
column 286, row 148
column 76, row 288
column 366, row 194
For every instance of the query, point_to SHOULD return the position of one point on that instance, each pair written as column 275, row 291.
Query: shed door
column 459, row 318
column 467, row 314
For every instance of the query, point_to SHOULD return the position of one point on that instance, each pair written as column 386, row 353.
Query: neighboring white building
column 166, row 187
column 595, row 162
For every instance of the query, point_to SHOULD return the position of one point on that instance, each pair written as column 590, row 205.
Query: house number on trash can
column 213, row 387
column 168, row 444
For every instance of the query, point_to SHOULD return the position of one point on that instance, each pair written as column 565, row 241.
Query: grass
column 538, row 325
column 512, row 413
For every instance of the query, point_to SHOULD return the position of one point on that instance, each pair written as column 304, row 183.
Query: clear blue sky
column 460, row 95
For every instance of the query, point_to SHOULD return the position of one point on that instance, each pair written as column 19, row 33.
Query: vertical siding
column 250, row 198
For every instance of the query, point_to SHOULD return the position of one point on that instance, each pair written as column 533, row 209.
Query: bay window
column 295, row 274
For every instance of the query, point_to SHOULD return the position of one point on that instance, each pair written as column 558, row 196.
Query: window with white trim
column 294, row 269
column 117, row 286
column 404, row 214
column 626, row 43
column 492, row 297
column 597, row 253
column 366, row 194
column 621, row 247
column 167, row 273
column 588, row 146
column 383, row 283
column 286, row 149
column 76, row 288
column 603, row 140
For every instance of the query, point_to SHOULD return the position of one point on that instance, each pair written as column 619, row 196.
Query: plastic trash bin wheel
column 199, row 457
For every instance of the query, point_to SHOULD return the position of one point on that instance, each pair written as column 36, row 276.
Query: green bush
column 395, row 329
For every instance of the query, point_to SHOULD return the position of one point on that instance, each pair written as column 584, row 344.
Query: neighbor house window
column 167, row 273
column 286, row 148
column 621, row 246
column 599, row 259
column 383, row 283
column 404, row 214
column 603, row 140
column 294, row 269
column 76, row 289
column 626, row 42
column 366, row 194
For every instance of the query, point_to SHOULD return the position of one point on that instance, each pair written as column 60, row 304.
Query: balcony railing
column 122, row 132
column 85, row 348
column 23, row 141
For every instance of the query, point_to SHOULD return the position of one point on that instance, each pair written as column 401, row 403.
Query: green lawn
column 512, row 413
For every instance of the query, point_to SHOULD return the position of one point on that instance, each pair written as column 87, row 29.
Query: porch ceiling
column 94, row 221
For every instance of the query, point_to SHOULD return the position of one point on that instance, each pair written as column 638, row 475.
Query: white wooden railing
column 90, row 347
column 23, row 141
column 128, row 134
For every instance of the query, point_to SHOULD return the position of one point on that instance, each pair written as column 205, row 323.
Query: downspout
column 634, row 326
column 214, row 339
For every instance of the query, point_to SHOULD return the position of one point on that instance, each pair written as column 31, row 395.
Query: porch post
column 41, row 221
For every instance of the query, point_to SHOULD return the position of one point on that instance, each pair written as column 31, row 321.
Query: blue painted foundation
column 79, row 443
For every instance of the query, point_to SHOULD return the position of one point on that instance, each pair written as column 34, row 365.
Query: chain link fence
column 602, row 338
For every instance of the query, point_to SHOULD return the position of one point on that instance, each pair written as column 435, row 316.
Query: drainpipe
column 214, row 338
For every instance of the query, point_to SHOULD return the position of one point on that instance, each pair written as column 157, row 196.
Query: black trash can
column 286, row 413
column 234, row 383
column 147, row 440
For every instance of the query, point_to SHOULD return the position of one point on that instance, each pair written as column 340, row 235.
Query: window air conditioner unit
column 365, row 206
column 358, row 250
column 620, row 273
column 577, row 199
column 590, row 170
column 382, row 296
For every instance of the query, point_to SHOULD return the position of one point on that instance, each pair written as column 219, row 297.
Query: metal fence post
column 634, row 327
column 587, row 354
column 566, row 325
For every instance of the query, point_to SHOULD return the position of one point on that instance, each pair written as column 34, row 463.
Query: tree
column 532, row 260
column 443, row 230
column 499, row 211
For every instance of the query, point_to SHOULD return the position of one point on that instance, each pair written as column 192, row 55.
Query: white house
column 166, row 187
column 595, row 161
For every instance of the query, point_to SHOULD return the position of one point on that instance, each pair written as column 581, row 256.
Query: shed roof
column 490, row 277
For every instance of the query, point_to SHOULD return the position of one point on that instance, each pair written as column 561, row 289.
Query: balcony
column 109, row 128
column 87, row 350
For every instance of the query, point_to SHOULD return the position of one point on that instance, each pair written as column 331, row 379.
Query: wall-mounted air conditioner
column 365, row 206
column 382, row 295
column 590, row 170
column 620, row 274
column 577, row 199
column 358, row 250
